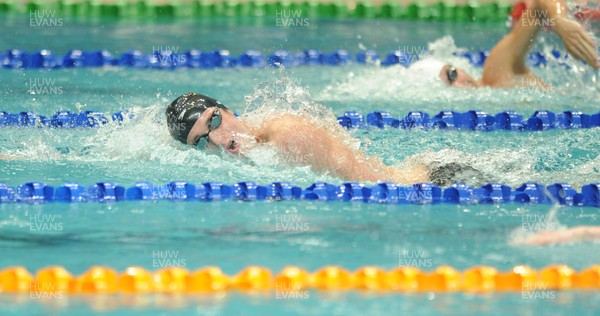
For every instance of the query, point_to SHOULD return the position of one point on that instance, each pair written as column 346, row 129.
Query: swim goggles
column 451, row 73
column 214, row 123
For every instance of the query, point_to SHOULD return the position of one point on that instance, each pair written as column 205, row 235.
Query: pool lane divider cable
column 364, row 9
column 445, row 120
column 168, row 58
column 473, row 120
column 62, row 119
column 442, row 11
column 380, row 193
column 137, row 280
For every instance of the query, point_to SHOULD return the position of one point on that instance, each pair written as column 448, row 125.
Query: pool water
column 233, row 235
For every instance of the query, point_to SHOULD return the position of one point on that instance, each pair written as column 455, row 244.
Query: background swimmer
column 505, row 66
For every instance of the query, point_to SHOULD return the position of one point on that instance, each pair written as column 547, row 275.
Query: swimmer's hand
column 571, row 235
column 577, row 41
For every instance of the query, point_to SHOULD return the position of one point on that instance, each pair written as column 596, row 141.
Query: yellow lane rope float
column 105, row 280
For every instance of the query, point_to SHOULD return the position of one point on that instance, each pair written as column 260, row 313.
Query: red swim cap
column 517, row 11
column 585, row 14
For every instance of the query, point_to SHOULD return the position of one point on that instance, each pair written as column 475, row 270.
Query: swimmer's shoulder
column 284, row 125
column 286, row 120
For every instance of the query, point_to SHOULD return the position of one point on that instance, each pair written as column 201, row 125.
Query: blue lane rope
column 62, row 119
column 16, row 59
column 384, row 193
column 447, row 120
column 474, row 120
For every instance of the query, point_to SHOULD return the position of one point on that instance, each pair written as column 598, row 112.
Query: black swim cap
column 183, row 113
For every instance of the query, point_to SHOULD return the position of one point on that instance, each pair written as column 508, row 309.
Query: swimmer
column 203, row 122
column 570, row 235
column 505, row 66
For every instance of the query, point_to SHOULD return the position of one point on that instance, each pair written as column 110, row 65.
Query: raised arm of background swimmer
column 575, row 38
column 303, row 142
column 507, row 58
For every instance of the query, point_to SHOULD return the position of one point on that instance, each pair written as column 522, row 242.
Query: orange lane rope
column 105, row 280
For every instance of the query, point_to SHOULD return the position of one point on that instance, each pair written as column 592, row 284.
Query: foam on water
column 142, row 149
column 284, row 96
column 409, row 89
column 144, row 142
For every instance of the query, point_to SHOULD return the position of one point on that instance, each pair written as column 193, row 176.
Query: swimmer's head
column 204, row 122
column 457, row 77
column 433, row 69
column 183, row 113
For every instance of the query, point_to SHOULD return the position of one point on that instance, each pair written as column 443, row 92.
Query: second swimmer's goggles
column 451, row 73
column 213, row 123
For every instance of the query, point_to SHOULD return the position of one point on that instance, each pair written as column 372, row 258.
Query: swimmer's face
column 229, row 136
column 457, row 77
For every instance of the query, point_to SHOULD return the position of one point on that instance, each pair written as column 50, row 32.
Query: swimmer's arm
column 577, row 41
column 507, row 58
column 302, row 142
column 311, row 145
column 575, row 234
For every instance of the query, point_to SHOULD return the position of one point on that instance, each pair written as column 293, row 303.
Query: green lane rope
column 364, row 9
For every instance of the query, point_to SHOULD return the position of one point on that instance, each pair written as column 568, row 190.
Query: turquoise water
column 233, row 235
column 582, row 303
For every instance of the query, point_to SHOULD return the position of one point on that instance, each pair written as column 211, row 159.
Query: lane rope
column 104, row 280
column 312, row 9
column 445, row 120
column 167, row 58
column 364, row 9
column 382, row 193
column 473, row 120
column 62, row 119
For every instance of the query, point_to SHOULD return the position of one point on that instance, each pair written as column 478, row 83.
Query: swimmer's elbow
column 7, row 157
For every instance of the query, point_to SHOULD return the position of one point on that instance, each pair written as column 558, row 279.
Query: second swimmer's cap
column 184, row 111
column 428, row 68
